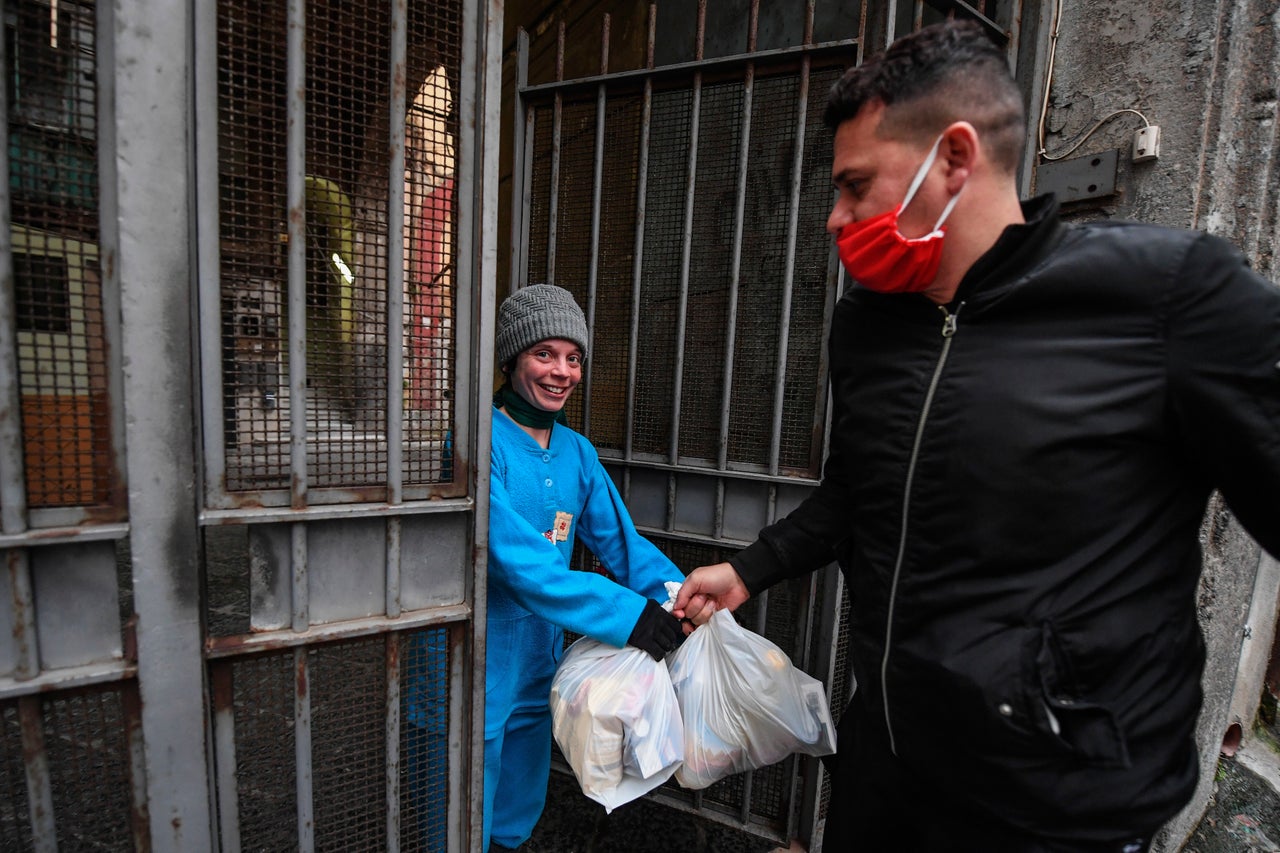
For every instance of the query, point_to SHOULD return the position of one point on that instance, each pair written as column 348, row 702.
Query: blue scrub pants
column 521, row 660
column 517, row 764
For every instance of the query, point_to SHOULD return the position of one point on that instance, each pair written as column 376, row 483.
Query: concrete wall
column 1206, row 72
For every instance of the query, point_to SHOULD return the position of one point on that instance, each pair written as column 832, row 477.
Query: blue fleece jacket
column 539, row 501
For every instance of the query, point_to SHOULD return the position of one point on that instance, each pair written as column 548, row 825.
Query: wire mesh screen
column 813, row 277
column 266, row 790
column 347, row 686
column 348, row 742
column 613, row 314
column 710, row 263
column 670, row 132
column 424, row 740
column 15, row 824
column 541, row 130
column 349, row 133
column 228, row 579
column 700, row 295
column 87, row 756
column 89, row 769
column 53, row 196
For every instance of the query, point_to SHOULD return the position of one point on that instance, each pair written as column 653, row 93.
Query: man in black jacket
column 1028, row 421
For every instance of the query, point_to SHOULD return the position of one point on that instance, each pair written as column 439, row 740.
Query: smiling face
column 547, row 372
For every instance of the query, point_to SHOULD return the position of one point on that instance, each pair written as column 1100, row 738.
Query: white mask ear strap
column 946, row 211
column 921, row 172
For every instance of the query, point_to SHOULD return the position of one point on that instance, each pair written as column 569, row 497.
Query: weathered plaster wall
column 1206, row 72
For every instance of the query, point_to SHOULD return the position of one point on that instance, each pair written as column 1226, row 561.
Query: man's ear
column 960, row 151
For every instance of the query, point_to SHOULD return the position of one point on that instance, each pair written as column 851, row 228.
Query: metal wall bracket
column 1080, row 178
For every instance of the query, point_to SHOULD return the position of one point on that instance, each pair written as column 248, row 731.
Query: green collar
column 525, row 413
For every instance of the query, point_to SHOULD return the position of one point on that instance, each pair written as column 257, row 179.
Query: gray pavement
column 574, row 823
column 1243, row 817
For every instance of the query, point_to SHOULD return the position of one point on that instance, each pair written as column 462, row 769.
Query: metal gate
column 248, row 280
column 678, row 182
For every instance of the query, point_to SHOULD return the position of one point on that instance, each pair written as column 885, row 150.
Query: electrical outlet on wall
column 1146, row 143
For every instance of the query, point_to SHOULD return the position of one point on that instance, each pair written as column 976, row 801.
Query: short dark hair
column 946, row 72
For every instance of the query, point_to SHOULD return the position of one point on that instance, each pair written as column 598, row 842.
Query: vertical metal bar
column 13, row 494
column 296, row 188
column 862, row 32
column 819, row 656
column 686, row 249
column 735, row 265
column 109, row 247
column 891, row 20
column 748, row 779
column 522, row 191
column 208, row 254
column 296, row 170
column 458, row 716
column 917, row 15
column 637, row 257
column 1014, row 25
column 35, row 760
column 26, row 663
column 396, row 243
column 526, row 201
column 482, row 87
column 155, row 267
column 393, row 742
column 394, row 528
column 800, row 652
column 553, row 208
column 822, row 404
column 473, row 356
column 593, row 264
column 301, row 587
column 224, row 736
column 302, row 750
column 139, row 812
column 396, row 222
column 793, row 220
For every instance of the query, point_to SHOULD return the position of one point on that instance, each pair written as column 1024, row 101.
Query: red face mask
column 878, row 257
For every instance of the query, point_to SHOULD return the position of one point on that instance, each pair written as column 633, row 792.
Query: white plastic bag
column 614, row 716
column 744, row 704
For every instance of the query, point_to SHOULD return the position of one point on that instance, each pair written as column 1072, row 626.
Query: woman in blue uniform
column 547, row 487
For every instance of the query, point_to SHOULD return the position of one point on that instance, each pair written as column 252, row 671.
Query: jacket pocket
column 1087, row 729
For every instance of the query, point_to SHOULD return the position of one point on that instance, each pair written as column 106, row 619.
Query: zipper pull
column 949, row 324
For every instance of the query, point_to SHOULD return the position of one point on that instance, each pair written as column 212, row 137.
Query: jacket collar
column 1018, row 248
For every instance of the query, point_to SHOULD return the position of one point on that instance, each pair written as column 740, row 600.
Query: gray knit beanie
column 535, row 313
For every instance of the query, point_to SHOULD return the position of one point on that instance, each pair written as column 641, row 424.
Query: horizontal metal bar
column 699, row 538
column 64, row 535
column 268, row 641
column 762, row 60
column 331, row 496
column 66, row 679
column 323, row 512
column 754, row 472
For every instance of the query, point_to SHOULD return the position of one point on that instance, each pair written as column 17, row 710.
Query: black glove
column 656, row 632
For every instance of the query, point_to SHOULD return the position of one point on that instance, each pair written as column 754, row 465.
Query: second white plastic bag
column 615, row 717
column 744, row 704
